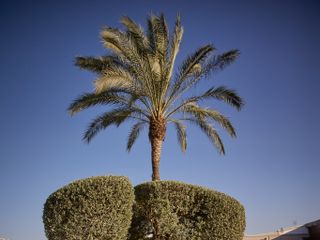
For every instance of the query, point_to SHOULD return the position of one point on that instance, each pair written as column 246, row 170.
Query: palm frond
column 181, row 134
column 116, row 116
column 191, row 67
column 96, row 64
column 219, row 62
column 134, row 134
column 162, row 36
column 112, row 39
column 139, row 67
column 158, row 37
column 92, row 99
column 133, row 27
column 174, row 47
column 211, row 133
column 192, row 63
column 158, row 34
column 150, row 34
column 214, row 115
column 136, row 33
column 222, row 120
column 114, row 76
column 229, row 96
column 122, row 45
column 169, row 61
column 170, row 111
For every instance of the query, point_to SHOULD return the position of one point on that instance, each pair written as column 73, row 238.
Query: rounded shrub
column 97, row 208
column 175, row 210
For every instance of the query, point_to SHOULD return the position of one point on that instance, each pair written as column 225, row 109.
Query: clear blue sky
column 272, row 167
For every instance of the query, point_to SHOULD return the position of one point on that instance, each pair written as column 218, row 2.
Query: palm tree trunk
column 157, row 132
column 156, row 145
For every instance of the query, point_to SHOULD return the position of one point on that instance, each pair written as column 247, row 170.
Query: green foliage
column 90, row 209
column 177, row 211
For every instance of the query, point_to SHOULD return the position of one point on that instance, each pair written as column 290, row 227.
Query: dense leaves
column 102, row 208
column 92, row 208
column 179, row 211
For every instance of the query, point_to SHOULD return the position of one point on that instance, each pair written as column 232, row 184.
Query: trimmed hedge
column 176, row 211
column 97, row 208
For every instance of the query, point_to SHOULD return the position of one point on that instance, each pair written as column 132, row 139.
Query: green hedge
column 176, row 211
column 97, row 208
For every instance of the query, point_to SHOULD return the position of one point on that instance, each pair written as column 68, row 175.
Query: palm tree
column 139, row 81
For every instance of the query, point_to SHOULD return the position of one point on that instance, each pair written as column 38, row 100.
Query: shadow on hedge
column 175, row 210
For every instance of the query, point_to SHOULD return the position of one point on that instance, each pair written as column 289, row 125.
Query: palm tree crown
column 139, row 81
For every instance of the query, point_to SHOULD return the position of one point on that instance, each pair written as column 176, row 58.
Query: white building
column 309, row 231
